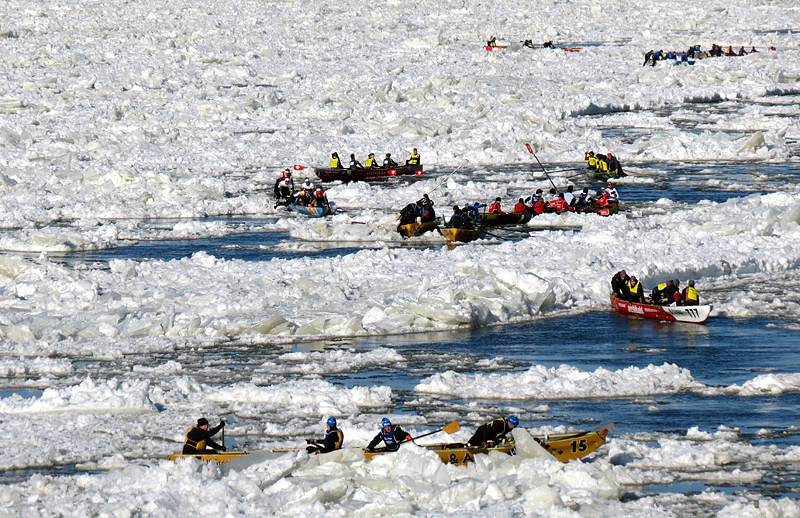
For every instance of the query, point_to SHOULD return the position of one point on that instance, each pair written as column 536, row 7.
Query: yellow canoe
column 463, row 235
column 565, row 447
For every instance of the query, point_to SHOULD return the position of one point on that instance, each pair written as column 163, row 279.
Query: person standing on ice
column 198, row 437
column 493, row 431
column 333, row 439
column 689, row 296
column 391, row 435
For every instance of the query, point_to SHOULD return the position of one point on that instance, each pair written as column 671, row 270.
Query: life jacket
column 414, row 159
column 370, row 163
column 691, row 294
column 388, row 438
column 197, row 445
column 662, row 286
column 339, row 440
column 602, row 165
column 538, row 207
column 502, row 420
column 592, row 162
column 494, row 208
column 635, row 288
column 520, row 208
column 603, row 200
column 335, row 163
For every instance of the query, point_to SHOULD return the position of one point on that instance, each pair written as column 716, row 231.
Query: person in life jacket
column 319, row 199
column 333, row 439
column 591, row 161
column 635, row 291
column 494, row 431
column 558, row 205
column 527, row 43
column 302, row 198
column 492, row 42
column 457, row 220
column 494, row 208
column 414, row 160
column 355, row 164
column 664, row 293
column 602, row 200
column 601, row 163
column 521, row 207
column 408, row 214
column 388, row 163
column 585, row 199
column 689, row 296
column 335, row 162
column 391, row 435
column 426, row 211
column 371, row 163
column 307, row 185
column 198, row 437
column 613, row 195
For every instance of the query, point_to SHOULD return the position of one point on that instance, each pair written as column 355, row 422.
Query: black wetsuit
column 620, row 286
column 196, row 436
column 333, row 441
column 494, row 431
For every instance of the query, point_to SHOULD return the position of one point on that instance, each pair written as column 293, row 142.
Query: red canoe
column 692, row 314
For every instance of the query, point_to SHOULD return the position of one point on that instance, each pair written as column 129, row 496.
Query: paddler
column 414, row 160
column 689, row 296
column 388, row 163
column 619, row 285
column 494, row 431
column 635, row 292
column 198, row 437
column 391, row 435
column 371, row 163
column 335, row 162
column 333, row 439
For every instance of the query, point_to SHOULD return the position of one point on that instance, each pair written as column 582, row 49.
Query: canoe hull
column 611, row 209
column 366, row 175
column 220, row 458
column 463, row 235
column 314, row 212
column 690, row 314
column 417, row 229
column 564, row 447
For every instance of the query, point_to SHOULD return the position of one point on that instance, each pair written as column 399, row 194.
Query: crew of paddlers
column 372, row 163
column 605, row 164
column 694, row 52
column 629, row 288
column 306, row 195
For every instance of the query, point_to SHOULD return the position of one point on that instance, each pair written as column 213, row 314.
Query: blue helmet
column 513, row 420
column 385, row 422
column 332, row 422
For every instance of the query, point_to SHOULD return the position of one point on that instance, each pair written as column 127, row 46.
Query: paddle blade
column 451, row 428
column 529, row 148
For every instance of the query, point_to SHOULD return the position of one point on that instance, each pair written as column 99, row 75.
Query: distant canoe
column 596, row 174
column 463, row 235
column 314, row 212
column 417, row 229
column 496, row 47
column 691, row 314
column 612, row 208
column 367, row 175
column 495, row 220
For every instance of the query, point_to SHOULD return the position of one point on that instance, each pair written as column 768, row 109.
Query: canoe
column 463, row 235
column 564, row 447
column 603, row 175
column 494, row 220
column 366, row 175
column 314, row 212
column 613, row 208
column 496, row 47
column 417, row 229
column 691, row 314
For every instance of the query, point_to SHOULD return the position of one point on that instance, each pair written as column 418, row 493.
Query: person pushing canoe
column 198, row 437
column 392, row 435
column 493, row 431
column 333, row 439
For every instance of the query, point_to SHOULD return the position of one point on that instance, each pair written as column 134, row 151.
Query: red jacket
column 521, row 208
column 494, row 208
column 558, row 205
column 538, row 207
column 603, row 200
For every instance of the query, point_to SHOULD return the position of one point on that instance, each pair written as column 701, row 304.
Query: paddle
column 540, row 165
column 463, row 163
column 448, row 428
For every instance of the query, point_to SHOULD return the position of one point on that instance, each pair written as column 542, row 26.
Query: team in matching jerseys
column 371, row 162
